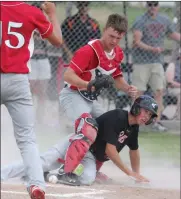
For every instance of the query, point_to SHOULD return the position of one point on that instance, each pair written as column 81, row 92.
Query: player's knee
column 87, row 126
column 88, row 178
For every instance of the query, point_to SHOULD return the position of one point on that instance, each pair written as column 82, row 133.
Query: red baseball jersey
column 18, row 21
column 91, row 57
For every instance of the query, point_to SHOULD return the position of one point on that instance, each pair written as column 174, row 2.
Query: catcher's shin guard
column 85, row 134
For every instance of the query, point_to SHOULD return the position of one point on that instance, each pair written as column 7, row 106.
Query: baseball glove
column 96, row 86
column 100, row 82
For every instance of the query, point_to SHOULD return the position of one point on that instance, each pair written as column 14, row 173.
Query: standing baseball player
column 80, row 156
column 18, row 22
column 91, row 70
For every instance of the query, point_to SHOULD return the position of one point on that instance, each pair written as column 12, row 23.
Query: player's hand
column 49, row 8
column 132, row 92
column 138, row 178
column 157, row 50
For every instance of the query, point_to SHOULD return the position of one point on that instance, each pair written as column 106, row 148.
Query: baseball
column 53, row 179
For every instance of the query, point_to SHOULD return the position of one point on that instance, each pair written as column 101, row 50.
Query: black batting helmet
column 146, row 102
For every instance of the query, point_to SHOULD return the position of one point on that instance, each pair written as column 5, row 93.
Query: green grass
column 157, row 148
column 161, row 145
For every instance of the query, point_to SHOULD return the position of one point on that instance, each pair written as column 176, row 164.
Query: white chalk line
column 94, row 197
column 72, row 187
column 66, row 195
column 59, row 186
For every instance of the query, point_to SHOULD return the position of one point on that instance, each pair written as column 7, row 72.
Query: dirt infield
column 18, row 191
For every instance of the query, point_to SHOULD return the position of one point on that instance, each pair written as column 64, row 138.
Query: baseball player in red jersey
column 92, row 66
column 18, row 21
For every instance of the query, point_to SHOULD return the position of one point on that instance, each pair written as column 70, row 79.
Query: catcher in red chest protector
column 77, row 159
column 95, row 67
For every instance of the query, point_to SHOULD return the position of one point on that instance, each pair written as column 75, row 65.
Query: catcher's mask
column 146, row 102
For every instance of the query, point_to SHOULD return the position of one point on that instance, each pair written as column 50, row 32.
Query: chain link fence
column 77, row 34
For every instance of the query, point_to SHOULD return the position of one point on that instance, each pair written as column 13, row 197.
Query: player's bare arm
column 112, row 153
column 68, row 51
column 72, row 78
column 135, row 160
column 56, row 37
column 121, row 84
column 137, row 35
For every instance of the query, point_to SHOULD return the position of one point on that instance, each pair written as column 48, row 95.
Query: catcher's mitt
column 96, row 86
column 100, row 82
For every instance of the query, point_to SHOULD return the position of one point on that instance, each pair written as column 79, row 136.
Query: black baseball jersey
column 114, row 129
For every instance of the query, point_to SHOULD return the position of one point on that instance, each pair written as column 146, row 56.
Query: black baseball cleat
column 68, row 179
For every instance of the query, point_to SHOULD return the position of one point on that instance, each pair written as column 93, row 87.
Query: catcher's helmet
column 146, row 102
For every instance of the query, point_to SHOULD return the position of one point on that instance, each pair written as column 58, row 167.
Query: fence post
column 126, row 45
column 177, row 23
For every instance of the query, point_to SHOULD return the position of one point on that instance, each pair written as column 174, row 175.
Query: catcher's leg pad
column 85, row 134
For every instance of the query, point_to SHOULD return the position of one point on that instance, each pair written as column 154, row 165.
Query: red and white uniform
column 16, row 38
column 92, row 56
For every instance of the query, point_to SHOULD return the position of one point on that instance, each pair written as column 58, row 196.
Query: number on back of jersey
column 19, row 36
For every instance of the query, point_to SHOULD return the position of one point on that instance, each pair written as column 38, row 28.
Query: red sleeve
column 82, row 59
column 117, row 73
column 42, row 24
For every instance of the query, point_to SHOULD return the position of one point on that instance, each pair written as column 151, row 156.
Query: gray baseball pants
column 72, row 105
column 16, row 96
column 49, row 163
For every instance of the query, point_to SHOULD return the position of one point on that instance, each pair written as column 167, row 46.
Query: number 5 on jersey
column 19, row 36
